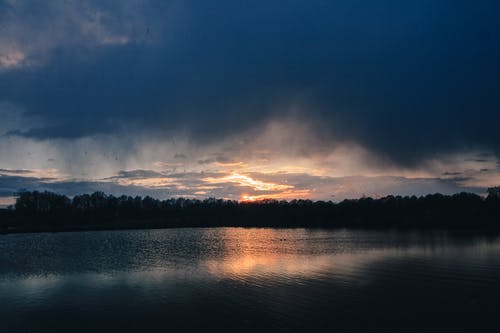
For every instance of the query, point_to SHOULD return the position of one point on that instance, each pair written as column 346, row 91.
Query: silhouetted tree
column 494, row 192
column 50, row 211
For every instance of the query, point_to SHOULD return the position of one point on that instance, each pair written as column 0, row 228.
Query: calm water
column 248, row 279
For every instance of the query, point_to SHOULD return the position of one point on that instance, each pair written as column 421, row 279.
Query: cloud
column 14, row 118
column 32, row 32
column 402, row 79
column 11, row 59
column 151, row 94
column 14, row 172
column 254, row 164
column 134, row 174
column 231, row 185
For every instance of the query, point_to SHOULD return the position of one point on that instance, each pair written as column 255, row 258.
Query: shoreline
column 459, row 230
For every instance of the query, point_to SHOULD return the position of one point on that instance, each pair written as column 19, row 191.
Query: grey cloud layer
column 406, row 79
column 195, row 185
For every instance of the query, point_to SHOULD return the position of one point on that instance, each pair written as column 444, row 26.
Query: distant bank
column 47, row 211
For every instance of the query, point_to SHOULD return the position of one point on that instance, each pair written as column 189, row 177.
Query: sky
column 243, row 100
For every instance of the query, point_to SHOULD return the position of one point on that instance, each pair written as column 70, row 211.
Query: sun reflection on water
column 282, row 254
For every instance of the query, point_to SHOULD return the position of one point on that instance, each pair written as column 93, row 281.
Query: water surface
column 249, row 279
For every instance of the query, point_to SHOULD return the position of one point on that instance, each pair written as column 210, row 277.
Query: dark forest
column 47, row 211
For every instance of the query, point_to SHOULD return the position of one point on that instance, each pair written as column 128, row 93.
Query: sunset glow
column 247, row 181
column 285, row 195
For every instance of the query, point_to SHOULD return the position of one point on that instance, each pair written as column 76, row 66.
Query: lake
column 238, row 279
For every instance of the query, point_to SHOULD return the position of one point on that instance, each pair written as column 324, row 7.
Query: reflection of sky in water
column 273, row 276
column 39, row 263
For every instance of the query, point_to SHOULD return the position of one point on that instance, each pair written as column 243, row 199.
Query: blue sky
column 233, row 99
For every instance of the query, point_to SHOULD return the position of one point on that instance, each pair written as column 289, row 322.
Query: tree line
column 48, row 211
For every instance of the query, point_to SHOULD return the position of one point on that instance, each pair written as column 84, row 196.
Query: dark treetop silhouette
column 47, row 211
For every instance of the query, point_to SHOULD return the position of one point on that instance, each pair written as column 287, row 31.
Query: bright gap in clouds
column 284, row 159
column 243, row 180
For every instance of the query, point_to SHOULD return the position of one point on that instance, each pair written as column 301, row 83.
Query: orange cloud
column 230, row 164
column 290, row 194
column 247, row 181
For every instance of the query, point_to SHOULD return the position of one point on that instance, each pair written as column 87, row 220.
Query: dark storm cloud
column 14, row 171
column 408, row 79
column 447, row 173
column 133, row 174
column 10, row 184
